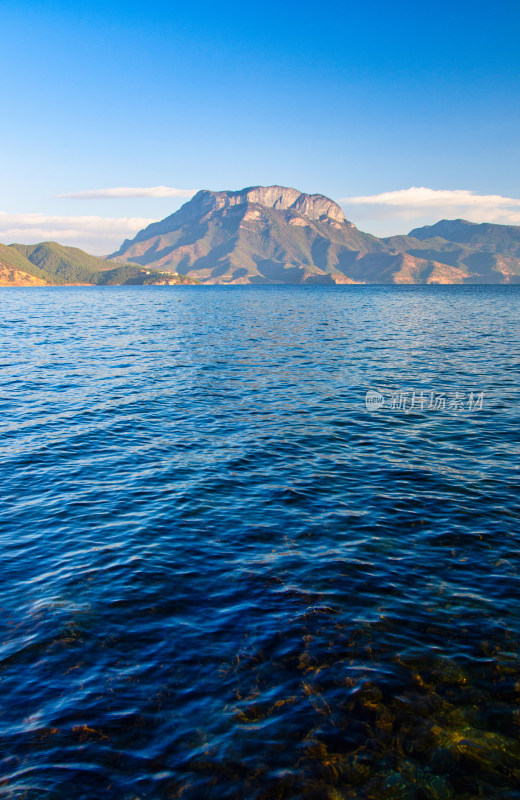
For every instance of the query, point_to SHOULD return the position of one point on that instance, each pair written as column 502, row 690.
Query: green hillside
column 13, row 259
column 131, row 274
column 59, row 265
column 62, row 264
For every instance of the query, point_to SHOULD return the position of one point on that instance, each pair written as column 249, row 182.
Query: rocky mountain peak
column 279, row 198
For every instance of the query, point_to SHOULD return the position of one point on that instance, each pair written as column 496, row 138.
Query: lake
column 223, row 576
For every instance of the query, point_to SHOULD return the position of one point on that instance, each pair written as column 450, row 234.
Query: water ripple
column 224, row 578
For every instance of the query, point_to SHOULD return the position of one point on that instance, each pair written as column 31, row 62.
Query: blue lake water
column 223, row 577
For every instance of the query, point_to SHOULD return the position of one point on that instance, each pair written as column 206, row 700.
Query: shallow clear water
column 223, row 577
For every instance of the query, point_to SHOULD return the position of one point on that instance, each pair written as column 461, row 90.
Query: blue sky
column 360, row 102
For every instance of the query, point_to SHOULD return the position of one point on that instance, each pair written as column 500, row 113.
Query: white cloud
column 128, row 192
column 95, row 234
column 434, row 204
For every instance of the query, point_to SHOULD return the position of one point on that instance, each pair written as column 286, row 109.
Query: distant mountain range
column 273, row 234
column 51, row 264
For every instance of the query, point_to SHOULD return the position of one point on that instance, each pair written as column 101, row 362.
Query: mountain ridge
column 276, row 234
column 501, row 238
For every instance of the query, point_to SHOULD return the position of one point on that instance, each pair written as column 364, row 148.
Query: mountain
column 485, row 236
column 274, row 234
column 257, row 235
column 49, row 263
column 490, row 253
